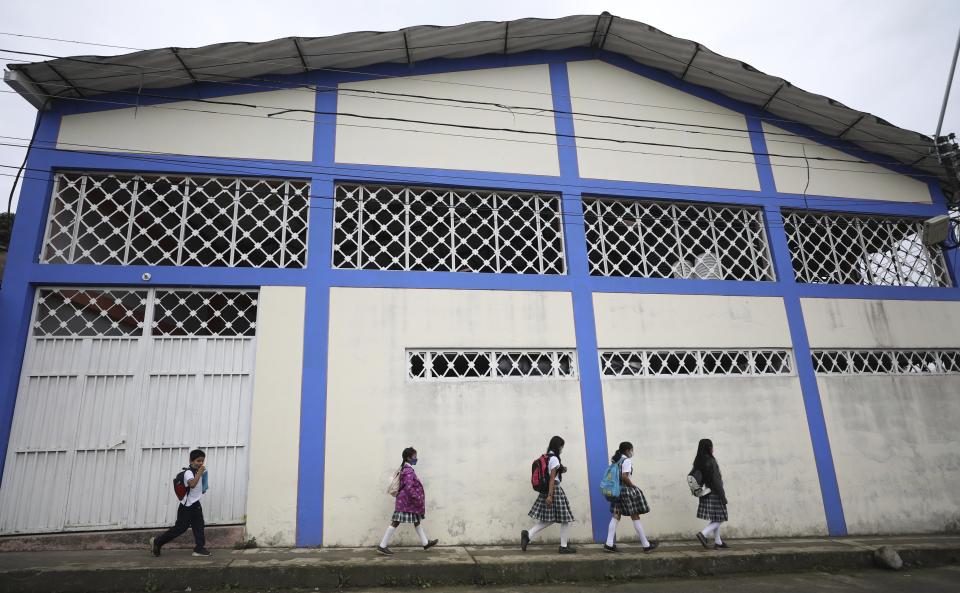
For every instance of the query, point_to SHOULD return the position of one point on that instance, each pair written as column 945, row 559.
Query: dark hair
column 556, row 443
column 197, row 453
column 623, row 448
column 704, row 454
column 408, row 453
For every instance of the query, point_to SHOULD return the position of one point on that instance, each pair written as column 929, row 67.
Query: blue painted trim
column 816, row 423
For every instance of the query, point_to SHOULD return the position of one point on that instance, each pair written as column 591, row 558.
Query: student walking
column 410, row 506
column 189, row 511
column 551, row 505
column 631, row 502
column 713, row 506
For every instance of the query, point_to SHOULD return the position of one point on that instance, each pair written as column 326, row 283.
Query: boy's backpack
column 540, row 473
column 180, row 488
column 695, row 482
column 610, row 484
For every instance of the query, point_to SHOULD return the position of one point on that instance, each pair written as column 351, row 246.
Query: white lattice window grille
column 694, row 363
column 885, row 362
column 380, row 227
column 120, row 312
column 867, row 250
column 177, row 220
column 490, row 364
column 651, row 239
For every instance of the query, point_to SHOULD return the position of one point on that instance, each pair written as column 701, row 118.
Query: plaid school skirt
column 558, row 513
column 631, row 502
column 711, row 509
column 401, row 517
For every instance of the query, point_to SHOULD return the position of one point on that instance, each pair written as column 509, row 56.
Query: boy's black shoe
column 154, row 548
column 652, row 546
column 703, row 540
column 202, row 552
column 385, row 551
column 722, row 546
column 524, row 540
column 430, row 544
column 568, row 550
column 612, row 548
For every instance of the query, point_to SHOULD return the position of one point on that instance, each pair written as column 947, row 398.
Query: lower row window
column 713, row 362
column 885, row 362
column 490, row 364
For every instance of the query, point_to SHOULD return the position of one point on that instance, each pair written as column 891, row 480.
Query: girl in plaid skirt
column 411, row 504
column 632, row 502
column 551, row 506
column 713, row 506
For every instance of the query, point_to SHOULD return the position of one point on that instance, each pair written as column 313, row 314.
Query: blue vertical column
column 16, row 293
column 313, row 405
column 780, row 251
column 591, row 392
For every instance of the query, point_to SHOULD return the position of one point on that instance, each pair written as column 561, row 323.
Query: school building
column 306, row 254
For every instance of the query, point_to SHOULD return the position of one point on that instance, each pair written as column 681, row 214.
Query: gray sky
column 889, row 57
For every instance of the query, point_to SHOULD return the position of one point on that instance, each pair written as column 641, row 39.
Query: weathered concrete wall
column 603, row 89
column 275, row 421
column 406, row 144
column 863, row 323
column 758, row 424
column 189, row 127
column 475, row 438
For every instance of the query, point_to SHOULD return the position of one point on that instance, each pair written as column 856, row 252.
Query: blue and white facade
column 498, row 250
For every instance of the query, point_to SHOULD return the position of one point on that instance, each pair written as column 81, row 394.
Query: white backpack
column 394, row 487
column 695, row 482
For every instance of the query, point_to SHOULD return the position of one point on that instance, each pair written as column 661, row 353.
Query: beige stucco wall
column 275, row 423
column 474, row 438
column 831, row 178
column 758, row 425
column 434, row 146
column 202, row 129
column 600, row 88
column 863, row 323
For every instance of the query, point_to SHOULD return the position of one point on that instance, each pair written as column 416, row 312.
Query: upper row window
column 177, row 220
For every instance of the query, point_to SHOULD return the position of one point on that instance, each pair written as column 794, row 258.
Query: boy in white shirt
column 189, row 512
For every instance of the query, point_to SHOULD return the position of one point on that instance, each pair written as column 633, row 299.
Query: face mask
column 628, row 455
column 413, row 461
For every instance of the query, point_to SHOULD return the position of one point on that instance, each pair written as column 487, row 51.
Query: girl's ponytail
column 623, row 448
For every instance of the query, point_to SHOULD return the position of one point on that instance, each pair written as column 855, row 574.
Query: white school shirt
column 627, row 466
column 194, row 494
column 552, row 465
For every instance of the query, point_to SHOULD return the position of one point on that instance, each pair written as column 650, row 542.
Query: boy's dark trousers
column 187, row 517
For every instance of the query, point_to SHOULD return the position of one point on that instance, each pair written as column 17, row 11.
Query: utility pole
column 946, row 93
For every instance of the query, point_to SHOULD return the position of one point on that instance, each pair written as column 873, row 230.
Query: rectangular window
column 858, row 249
column 386, row 227
column 490, row 364
column 885, row 362
column 177, row 220
column 694, row 363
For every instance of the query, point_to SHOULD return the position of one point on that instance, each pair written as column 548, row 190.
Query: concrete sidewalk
column 331, row 569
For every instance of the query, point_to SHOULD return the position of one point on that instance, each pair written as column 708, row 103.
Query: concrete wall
column 830, row 178
column 894, row 438
column 190, row 127
column 758, row 425
column 475, row 439
column 275, row 423
column 433, row 146
column 600, row 88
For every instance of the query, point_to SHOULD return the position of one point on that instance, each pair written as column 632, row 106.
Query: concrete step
column 218, row 536
column 332, row 568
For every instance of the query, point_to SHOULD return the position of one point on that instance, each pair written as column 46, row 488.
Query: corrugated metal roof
column 85, row 76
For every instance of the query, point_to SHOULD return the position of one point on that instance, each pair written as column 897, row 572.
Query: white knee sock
column 387, row 536
column 564, row 528
column 537, row 529
column 716, row 536
column 422, row 534
column 710, row 528
column 643, row 537
column 612, row 531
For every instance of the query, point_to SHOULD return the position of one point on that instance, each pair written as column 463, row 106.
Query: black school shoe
column 703, row 540
column 430, row 544
column 568, row 550
column 653, row 545
column 154, row 548
column 202, row 552
column 612, row 548
column 524, row 540
column 722, row 546
column 385, row 551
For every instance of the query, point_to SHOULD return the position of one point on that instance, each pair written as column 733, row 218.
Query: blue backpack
column 610, row 484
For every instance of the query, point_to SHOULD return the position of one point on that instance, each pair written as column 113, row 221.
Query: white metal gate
column 117, row 386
